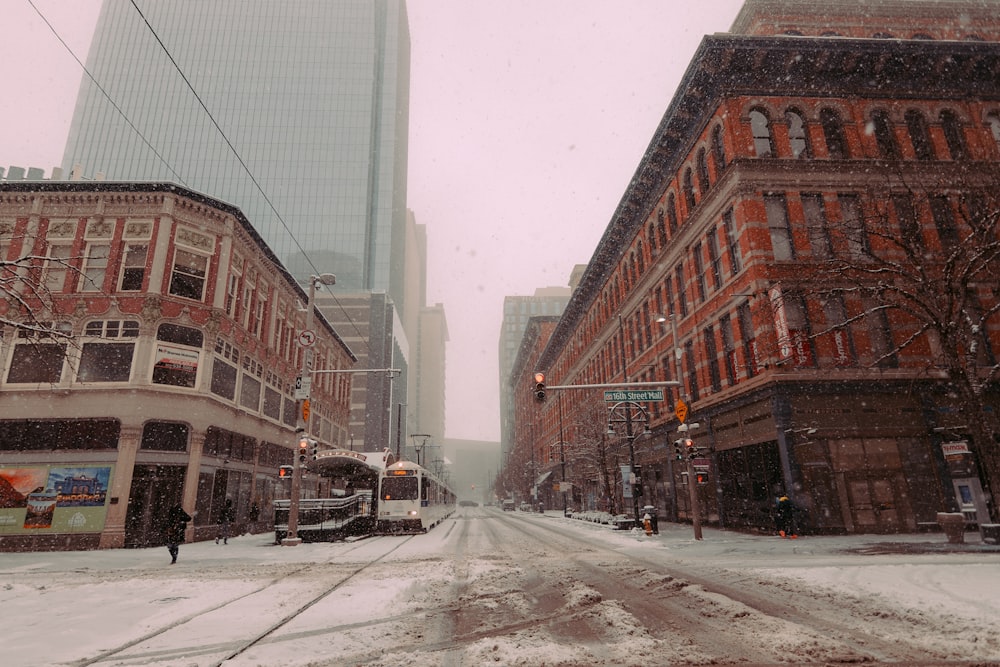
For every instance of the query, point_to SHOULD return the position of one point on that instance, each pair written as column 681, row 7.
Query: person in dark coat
column 177, row 520
column 225, row 520
column 784, row 517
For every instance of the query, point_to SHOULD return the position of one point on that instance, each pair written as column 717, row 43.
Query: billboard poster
column 53, row 498
column 175, row 366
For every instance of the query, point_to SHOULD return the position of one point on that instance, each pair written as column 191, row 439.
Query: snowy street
column 510, row 588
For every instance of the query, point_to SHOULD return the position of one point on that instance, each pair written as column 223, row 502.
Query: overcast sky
column 528, row 118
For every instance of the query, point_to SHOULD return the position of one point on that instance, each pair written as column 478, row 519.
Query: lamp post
column 629, row 436
column 306, row 339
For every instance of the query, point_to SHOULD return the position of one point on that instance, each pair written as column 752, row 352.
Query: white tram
column 411, row 499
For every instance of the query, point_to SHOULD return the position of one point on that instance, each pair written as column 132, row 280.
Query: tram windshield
column 399, row 488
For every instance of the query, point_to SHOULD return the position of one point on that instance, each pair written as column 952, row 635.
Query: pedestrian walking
column 784, row 517
column 177, row 521
column 225, row 520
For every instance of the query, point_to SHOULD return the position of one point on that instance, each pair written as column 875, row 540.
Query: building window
column 107, row 361
column 95, row 266
column 885, row 138
column 223, row 379
column 799, row 335
column 56, row 265
column 692, row 370
column 953, row 135
column 944, row 221
column 798, row 137
column 760, row 127
column 59, row 434
column 714, row 375
column 749, row 338
column 715, row 258
column 732, row 245
column 855, row 230
column 909, row 226
column 187, row 279
column 833, row 132
column 777, row 223
column 681, row 298
column 920, row 137
column 689, row 197
column 36, row 362
column 164, row 437
column 699, row 272
column 177, row 356
column 233, row 292
column 993, row 121
column 729, row 349
column 840, row 332
column 133, row 267
column 672, row 212
column 816, row 227
column 704, row 182
column 718, row 150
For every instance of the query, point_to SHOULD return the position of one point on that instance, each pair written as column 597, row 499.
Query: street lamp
column 306, row 339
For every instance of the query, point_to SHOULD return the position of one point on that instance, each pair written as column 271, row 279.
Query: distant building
column 517, row 310
column 148, row 349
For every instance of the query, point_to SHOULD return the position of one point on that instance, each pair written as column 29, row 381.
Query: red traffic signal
column 539, row 386
column 285, row 472
column 303, row 450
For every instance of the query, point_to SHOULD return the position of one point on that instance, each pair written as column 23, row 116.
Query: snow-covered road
column 489, row 587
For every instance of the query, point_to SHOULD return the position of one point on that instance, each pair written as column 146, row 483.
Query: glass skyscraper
column 297, row 113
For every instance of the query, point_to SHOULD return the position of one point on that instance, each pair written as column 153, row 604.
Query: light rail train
column 411, row 499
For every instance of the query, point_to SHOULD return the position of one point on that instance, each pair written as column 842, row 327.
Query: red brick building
column 148, row 356
column 800, row 152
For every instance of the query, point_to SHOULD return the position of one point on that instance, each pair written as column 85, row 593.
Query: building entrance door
column 155, row 489
column 876, row 502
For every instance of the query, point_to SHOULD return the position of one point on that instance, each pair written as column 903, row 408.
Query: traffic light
column 690, row 448
column 702, row 478
column 314, row 446
column 285, row 472
column 679, row 449
column 539, row 386
column 303, row 450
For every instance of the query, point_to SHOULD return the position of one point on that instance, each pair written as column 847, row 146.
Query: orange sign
column 681, row 410
column 305, row 410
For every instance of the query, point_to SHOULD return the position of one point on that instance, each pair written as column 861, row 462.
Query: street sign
column 681, row 410
column 307, row 338
column 615, row 396
column 303, row 387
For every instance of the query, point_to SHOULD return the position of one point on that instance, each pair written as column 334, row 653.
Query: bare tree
column 921, row 271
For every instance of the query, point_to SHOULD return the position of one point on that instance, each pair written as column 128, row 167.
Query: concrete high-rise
column 297, row 113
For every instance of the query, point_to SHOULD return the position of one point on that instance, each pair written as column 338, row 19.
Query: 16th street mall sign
column 636, row 395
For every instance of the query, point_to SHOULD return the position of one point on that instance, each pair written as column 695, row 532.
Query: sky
column 527, row 121
column 231, row 592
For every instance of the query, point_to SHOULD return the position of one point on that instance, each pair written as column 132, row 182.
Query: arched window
column 661, row 229
column 718, row 150
column 689, row 198
column 703, row 181
column 953, row 134
column 760, row 126
column 641, row 262
column 672, row 213
column 651, row 238
column 797, row 136
column 885, row 139
column 833, row 132
column 916, row 125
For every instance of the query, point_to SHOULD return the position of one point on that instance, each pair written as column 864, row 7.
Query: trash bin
column 953, row 525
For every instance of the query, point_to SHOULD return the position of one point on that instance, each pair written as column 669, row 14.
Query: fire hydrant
column 647, row 523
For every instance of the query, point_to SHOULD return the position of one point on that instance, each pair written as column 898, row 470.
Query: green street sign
column 638, row 395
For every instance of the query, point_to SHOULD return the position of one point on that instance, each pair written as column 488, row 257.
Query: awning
column 541, row 478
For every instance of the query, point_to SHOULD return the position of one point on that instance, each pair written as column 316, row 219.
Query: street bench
column 990, row 532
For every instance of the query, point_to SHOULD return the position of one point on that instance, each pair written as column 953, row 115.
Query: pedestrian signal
column 539, row 386
column 285, row 472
